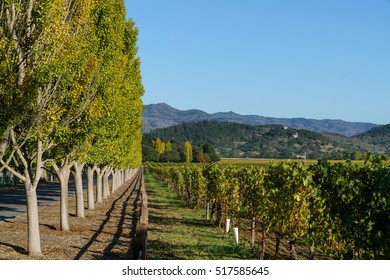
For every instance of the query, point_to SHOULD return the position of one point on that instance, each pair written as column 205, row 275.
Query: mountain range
column 162, row 115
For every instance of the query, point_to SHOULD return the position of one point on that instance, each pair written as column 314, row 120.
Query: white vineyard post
column 227, row 226
column 236, row 237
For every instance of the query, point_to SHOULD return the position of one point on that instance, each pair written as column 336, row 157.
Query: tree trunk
column 34, row 239
column 99, row 186
column 31, row 184
column 63, row 174
column 4, row 142
column 105, row 185
column 64, row 203
column 118, row 179
column 122, row 177
column 78, row 167
column 110, row 182
column 90, row 194
column 106, row 182
column 129, row 174
column 115, row 178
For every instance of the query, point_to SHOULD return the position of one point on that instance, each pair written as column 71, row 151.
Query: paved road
column 13, row 202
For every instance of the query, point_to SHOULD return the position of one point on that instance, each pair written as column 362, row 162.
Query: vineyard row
column 341, row 209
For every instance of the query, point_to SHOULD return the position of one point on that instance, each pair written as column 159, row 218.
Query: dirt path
column 105, row 233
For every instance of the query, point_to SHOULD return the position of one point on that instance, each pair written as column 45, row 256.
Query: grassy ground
column 179, row 232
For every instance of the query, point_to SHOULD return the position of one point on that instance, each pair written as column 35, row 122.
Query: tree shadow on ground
column 107, row 252
column 16, row 248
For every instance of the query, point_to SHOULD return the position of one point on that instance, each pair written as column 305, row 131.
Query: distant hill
column 378, row 136
column 162, row 115
column 271, row 141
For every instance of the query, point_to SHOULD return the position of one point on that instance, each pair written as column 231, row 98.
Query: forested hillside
column 379, row 136
column 267, row 141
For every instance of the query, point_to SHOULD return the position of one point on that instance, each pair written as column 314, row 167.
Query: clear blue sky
column 321, row 59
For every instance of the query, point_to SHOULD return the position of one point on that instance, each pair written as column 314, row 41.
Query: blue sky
column 320, row 59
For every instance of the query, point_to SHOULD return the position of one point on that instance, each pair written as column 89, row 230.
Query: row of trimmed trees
column 70, row 97
column 341, row 209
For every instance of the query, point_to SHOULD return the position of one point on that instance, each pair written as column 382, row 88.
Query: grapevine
column 341, row 209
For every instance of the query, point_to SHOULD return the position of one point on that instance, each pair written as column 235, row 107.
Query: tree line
column 70, row 98
column 339, row 209
column 158, row 150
